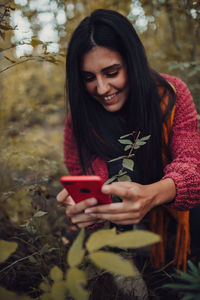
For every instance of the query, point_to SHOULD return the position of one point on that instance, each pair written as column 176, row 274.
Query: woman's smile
column 105, row 76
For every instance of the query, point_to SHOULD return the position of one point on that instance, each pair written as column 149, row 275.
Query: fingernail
column 92, row 201
column 93, row 215
column 105, row 188
column 88, row 210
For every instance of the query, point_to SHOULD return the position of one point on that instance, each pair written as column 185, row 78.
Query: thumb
column 64, row 197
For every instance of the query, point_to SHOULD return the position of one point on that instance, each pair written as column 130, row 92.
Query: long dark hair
column 142, row 111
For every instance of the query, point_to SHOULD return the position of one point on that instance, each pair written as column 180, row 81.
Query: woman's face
column 105, row 76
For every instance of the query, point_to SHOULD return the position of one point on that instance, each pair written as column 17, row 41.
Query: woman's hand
column 137, row 200
column 75, row 212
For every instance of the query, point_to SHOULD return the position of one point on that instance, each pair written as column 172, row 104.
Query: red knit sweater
column 184, row 146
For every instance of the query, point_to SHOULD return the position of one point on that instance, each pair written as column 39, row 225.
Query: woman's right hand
column 75, row 211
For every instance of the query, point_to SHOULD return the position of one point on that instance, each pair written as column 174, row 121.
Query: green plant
column 188, row 283
column 127, row 159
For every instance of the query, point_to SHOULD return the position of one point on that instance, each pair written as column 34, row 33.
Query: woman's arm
column 184, row 168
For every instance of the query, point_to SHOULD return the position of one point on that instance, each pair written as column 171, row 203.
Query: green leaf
column 121, row 173
column 76, row 252
column 117, row 158
column 75, row 279
column 139, row 143
column 56, row 274
column 39, row 214
column 59, row 290
column 127, row 147
column 6, row 249
column 184, row 287
column 193, row 268
column 134, row 239
column 113, row 263
column 145, row 138
column 125, row 142
column 110, row 180
column 186, row 277
column 128, row 164
column 100, row 239
column 126, row 135
column 124, row 178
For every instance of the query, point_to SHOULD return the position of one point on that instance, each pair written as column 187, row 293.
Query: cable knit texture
column 184, row 146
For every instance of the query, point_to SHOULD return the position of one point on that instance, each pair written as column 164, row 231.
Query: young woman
column 112, row 91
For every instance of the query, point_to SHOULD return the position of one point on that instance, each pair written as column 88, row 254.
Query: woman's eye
column 113, row 74
column 88, row 78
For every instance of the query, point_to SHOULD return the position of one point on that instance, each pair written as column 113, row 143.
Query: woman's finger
column 81, row 206
column 65, row 198
column 121, row 189
column 115, row 218
column 80, row 218
column 62, row 195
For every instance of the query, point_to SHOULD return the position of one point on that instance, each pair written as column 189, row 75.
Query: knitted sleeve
column 184, row 168
column 70, row 149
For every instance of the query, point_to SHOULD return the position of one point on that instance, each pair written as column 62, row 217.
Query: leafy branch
column 127, row 160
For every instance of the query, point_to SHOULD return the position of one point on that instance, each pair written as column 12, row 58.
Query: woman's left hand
column 137, row 200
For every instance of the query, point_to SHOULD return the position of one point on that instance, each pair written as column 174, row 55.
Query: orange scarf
column 160, row 217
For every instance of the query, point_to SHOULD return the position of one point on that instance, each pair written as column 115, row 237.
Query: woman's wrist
column 164, row 191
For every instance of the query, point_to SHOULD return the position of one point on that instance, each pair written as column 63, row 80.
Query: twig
column 132, row 148
column 15, row 262
column 13, row 65
column 163, row 268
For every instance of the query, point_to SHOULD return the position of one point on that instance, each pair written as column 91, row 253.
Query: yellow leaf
column 100, row 239
column 134, row 239
column 59, row 290
column 6, row 249
column 113, row 263
column 75, row 279
column 56, row 274
column 76, row 252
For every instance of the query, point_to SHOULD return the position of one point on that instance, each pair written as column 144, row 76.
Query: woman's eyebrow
column 110, row 67
column 104, row 69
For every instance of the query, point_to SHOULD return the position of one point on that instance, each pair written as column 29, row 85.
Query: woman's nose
column 102, row 86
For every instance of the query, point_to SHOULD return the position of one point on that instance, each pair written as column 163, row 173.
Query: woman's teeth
column 109, row 97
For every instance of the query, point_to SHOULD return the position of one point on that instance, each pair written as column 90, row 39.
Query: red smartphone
column 84, row 187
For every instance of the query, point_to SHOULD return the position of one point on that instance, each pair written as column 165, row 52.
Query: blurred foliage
column 32, row 115
column 188, row 283
column 59, row 284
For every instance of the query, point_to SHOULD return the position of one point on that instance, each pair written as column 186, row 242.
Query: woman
column 112, row 91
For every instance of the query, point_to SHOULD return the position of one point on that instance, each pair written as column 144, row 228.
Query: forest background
column 33, row 40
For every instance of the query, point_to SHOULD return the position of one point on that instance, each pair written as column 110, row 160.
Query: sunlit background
column 50, row 16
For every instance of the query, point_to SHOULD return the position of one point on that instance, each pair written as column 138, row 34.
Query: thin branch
column 15, row 262
column 18, row 63
column 132, row 148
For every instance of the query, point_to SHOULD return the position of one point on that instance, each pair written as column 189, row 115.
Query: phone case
column 84, row 187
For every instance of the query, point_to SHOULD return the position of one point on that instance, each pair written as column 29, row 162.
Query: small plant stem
column 132, row 148
column 15, row 262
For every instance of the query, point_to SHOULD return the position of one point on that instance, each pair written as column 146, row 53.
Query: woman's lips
column 110, row 101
